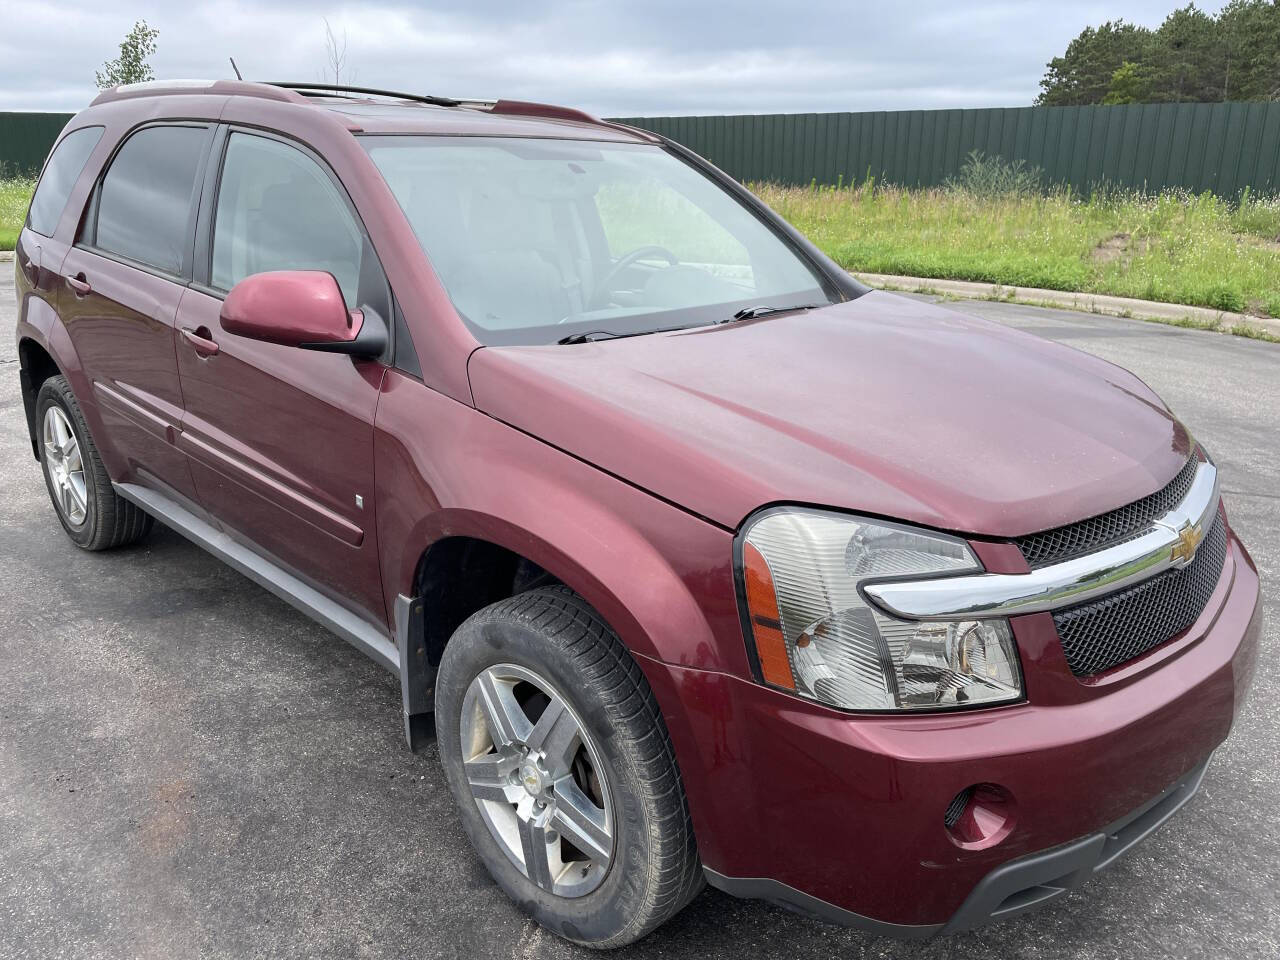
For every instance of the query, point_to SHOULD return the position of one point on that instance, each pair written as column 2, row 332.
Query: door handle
column 201, row 341
column 79, row 284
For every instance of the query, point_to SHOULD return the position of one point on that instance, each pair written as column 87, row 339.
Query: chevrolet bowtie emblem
column 1189, row 537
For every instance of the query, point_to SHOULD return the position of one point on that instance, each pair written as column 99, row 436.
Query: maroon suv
column 699, row 559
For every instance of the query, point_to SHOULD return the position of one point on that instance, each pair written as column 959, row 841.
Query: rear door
column 123, row 280
column 281, row 439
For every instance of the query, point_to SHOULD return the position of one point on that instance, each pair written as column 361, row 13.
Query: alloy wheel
column 65, row 466
column 537, row 779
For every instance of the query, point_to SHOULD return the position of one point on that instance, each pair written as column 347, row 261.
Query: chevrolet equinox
column 700, row 561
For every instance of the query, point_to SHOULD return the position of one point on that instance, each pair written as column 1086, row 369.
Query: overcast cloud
column 616, row 59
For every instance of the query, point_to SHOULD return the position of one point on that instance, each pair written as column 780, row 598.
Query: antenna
column 235, row 68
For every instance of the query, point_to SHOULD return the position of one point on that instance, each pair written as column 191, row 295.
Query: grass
column 1174, row 247
column 15, row 193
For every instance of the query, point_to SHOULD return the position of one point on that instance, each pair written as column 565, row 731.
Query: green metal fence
column 1220, row 147
column 25, row 139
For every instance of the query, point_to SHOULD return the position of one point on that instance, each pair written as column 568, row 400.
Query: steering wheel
column 626, row 260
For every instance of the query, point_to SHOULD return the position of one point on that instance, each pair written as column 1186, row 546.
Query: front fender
column 661, row 577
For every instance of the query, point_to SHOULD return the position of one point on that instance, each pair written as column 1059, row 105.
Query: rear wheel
column 560, row 763
column 93, row 514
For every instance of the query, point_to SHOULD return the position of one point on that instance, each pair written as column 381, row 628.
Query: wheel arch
column 44, row 350
column 470, row 560
column 603, row 558
column 36, row 366
column 458, row 575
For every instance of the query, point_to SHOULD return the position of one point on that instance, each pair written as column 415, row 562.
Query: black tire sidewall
column 606, row 911
column 54, row 392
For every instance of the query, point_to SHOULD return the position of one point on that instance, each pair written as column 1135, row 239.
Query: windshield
column 536, row 240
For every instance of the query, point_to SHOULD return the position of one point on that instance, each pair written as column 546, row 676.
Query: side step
column 364, row 636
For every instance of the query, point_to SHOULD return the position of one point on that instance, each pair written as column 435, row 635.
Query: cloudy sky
column 617, row 59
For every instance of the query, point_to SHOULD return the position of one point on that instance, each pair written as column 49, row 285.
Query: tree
column 131, row 66
column 1192, row 56
column 1251, row 30
column 336, row 57
column 1128, row 85
column 1187, row 61
column 1084, row 73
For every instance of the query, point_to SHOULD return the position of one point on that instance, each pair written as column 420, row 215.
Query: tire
column 93, row 514
column 554, row 637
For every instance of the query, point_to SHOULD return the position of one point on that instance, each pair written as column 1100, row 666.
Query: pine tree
column 1192, row 57
column 1083, row 74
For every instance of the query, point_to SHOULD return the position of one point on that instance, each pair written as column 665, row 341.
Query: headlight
column 815, row 635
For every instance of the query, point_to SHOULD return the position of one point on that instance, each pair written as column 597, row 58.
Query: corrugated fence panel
column 25, row 139
column 1223, row 147
column 1267, row 169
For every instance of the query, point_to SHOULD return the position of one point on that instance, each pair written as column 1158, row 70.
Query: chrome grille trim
column 1068, row 583
column 1106, row 529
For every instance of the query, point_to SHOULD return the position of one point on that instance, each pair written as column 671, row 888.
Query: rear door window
column 147, row 199
column 279, row 210
column 60, row 175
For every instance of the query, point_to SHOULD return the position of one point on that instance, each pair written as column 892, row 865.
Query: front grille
column 1107, row 529
column 1105, row 633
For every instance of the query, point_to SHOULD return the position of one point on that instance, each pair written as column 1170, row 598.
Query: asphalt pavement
column 190, row 768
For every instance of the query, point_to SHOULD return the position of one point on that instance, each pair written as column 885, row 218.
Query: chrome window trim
column 1079, row 580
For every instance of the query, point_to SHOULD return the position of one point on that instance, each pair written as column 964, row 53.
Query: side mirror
column 301, row 308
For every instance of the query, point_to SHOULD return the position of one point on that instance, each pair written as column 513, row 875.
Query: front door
column 281, row 439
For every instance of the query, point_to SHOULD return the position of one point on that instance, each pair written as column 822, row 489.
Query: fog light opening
column 980, row 816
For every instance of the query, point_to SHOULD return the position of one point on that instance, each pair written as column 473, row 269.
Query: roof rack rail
column 328, row 89
column 524, row 108
column 162, row 88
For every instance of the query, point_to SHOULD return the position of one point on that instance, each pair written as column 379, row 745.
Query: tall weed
column 1175, row 246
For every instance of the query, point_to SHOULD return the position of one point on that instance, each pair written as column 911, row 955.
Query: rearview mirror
column 301, row 308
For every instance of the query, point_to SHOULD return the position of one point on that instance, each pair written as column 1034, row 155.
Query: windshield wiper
column 746, row 313
column 590, row 336
column 750, row 313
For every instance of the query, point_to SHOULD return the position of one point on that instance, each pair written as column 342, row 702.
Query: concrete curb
column 6, row 255
column 1176, row 313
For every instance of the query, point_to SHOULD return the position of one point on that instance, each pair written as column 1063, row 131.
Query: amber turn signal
column 766, row 623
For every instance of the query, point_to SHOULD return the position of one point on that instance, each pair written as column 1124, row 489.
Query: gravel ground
column 190, row 768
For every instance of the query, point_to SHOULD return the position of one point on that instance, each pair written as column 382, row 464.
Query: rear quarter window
column 147, row 198
column 61, row 172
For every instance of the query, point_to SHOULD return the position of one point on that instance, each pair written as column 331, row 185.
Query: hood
column 883, row 405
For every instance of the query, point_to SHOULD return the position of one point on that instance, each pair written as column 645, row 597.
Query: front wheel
column 559, row 760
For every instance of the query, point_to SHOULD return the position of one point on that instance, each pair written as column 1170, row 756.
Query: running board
column 364, row 636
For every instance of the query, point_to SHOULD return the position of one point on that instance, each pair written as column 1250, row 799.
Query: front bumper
column 842, row 816
column 1016, row 887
